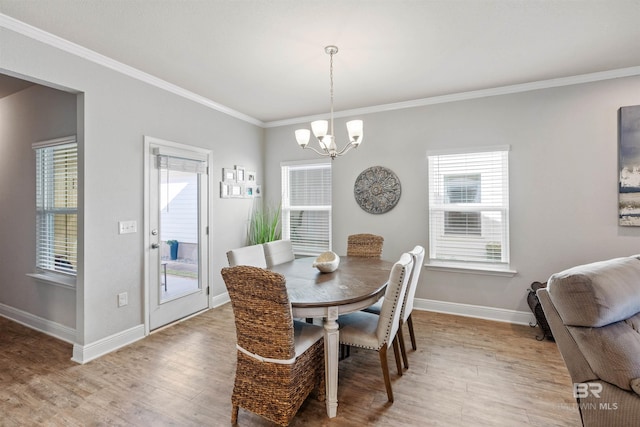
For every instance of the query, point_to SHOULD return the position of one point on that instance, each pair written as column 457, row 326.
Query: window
column 57, row 205
column 306, row 206
column 469, row 206
column 462, row 189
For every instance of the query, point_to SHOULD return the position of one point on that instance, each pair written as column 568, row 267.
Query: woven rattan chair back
column 271, row 379
column 264, row 324
column 365, row 245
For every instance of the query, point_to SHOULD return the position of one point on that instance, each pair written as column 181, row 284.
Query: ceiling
column 266, row 59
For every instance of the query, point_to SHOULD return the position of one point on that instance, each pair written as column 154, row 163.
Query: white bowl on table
column 327, row 262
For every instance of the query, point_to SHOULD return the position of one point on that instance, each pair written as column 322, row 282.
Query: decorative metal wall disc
column 377, row 190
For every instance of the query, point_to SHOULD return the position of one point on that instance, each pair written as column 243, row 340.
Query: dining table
column 356, row 284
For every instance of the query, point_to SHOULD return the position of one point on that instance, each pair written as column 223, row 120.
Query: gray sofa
column 594, row 313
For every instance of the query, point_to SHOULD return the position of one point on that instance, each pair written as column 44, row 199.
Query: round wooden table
column 357, row 283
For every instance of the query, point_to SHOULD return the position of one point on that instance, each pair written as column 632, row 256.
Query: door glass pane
column 179, row 234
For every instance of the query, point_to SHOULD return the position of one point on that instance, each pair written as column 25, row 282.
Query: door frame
column 168, row 146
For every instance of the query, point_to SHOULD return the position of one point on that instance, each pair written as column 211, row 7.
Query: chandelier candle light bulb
column 320, row 128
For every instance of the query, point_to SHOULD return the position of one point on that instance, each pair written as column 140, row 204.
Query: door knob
column 155, row 246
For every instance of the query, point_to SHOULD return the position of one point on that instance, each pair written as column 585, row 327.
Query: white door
column 177, row 231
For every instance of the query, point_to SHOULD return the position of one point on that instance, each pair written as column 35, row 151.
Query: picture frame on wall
column 224, row 189
column 629, row 166
column 251, row 177
column 236, row 190
column 257, row 192
column 228, row 174
column 240, row 174
column 249, row 191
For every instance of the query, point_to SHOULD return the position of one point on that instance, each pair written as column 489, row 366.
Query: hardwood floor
column 466, row 372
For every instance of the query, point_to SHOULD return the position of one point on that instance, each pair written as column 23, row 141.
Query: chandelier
column 321, row 127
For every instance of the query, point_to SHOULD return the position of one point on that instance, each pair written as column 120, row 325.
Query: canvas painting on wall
column 629, row 166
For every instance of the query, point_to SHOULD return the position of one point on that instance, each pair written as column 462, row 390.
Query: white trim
column 53, row 142
column 188, row 152
column 465, row 96
column 489, row 269
column 62, row 280
column 90, row 55
column 32, row 32
column 487, row 149
column 86, row 353
column 324, row 161
column 40, row 324
column 476, row 311
column 220, row 300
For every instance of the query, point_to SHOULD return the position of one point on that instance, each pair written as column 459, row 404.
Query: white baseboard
column 40, row 324
column 477, row 311
column 219, row 300
column 85, row 353
column 467, row 310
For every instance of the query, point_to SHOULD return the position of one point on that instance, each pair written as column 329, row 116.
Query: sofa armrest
column 577, row 365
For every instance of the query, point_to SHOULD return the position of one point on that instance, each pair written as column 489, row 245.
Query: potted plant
column 173, row 245
column 264, row 225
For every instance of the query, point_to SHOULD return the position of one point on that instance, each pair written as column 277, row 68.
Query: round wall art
column 377, row 190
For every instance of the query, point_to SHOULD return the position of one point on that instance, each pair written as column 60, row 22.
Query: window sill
column 491, row 270
column 54, row 279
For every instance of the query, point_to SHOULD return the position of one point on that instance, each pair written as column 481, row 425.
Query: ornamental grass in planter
column 264, row 225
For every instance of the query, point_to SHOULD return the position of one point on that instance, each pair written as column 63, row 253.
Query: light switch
column 125, row 227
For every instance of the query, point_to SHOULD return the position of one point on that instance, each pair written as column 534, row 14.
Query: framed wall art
column 235, row 190
column 228, row 174
column 629, row 166
column 239, row 183
column 240, row 174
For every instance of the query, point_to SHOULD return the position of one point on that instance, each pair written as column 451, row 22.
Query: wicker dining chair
column 365, row 245
column 279, row 361
column 378, row 332
column 407, row 306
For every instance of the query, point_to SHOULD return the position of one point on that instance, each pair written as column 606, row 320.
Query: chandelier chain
column 331, row 87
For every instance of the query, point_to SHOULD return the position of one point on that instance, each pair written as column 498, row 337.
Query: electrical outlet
column 123, row 299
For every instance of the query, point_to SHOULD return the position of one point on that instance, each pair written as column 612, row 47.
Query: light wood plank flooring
column 466, row 372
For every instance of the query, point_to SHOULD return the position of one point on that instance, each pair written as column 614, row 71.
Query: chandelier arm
column 317, row 152
column 346, row 148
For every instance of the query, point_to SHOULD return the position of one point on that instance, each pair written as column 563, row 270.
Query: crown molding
column 65, row 45
column 90, row 55
column 463, row 96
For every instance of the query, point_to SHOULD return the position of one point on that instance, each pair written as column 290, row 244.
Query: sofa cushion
column 612, row 351
column 597, row 294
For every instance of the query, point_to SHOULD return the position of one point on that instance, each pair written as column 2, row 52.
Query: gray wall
column 563, row 181
column 115, row 112
column 34, row 114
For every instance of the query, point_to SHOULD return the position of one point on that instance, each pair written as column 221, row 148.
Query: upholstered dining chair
column 278, row 252
column 249, row 255
column 407, row 306
column 279, row 361
column 378, row 332
column 365, row 245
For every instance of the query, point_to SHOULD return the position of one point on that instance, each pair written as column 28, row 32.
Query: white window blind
column 57, row 205
column 469, row 206
column 306, row 207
